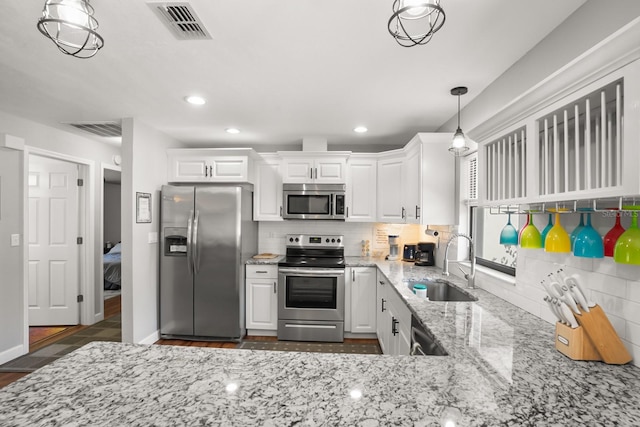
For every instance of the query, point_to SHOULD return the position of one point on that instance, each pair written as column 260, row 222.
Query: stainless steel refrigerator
column 207, row 234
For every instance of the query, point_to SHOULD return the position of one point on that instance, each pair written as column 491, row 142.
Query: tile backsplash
column 615, row 287
column 271, row 235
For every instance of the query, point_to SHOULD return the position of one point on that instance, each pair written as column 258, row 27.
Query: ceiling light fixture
column 71, row 26
column 459, row 143
column 232, row 130
column 414, row 22
column 360, row 129
column 195, row 100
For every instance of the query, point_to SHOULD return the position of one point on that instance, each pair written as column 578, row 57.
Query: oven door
column 311, row 294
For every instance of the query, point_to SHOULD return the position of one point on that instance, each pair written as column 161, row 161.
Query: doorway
column 54, row 222
column 111, row 237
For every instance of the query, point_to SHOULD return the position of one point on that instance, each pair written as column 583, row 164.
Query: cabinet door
column 267, row 195
column 361, row 190
column 390, row 190
column 297, row 170
column 262, row 304
column 363, row 300
column 188, row 169
column 331, row 170
column 229, row 169
column 411, row 186
column 381, row 314
column 400, row 340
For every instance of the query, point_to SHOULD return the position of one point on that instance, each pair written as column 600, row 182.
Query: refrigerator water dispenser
column 175, row 241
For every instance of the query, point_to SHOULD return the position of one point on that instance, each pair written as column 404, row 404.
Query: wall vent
column 107, row 129
column 181, row 20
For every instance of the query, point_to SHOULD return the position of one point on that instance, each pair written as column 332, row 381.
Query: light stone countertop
column 502, row 369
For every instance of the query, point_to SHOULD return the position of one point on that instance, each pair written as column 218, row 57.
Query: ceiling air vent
column 99, row 128
column 181, row 20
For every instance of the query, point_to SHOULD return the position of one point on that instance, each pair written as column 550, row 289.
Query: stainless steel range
column 311, row 289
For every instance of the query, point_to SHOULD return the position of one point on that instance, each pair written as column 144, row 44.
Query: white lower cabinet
column 393, row 319
column 262, row 297
column 363, row 299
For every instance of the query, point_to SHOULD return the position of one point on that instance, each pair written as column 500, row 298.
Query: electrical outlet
column 15, row 240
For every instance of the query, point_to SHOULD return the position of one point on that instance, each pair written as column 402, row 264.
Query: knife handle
column 569, row 299
column 569, row 315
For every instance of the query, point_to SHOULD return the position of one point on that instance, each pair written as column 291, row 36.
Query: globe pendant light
column 71, row 26
column 459, row 143
column 414, row 22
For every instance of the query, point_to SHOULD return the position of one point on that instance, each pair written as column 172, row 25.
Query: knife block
column 575, row 343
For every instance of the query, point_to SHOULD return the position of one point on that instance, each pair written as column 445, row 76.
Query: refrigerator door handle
column 196, row 254
column 189, row 245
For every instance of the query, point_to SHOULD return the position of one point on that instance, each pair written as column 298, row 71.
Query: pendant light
column 459, row 143
column 414, row 22
column 71, row 26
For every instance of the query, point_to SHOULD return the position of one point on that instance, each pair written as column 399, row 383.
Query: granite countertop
column 502, row 369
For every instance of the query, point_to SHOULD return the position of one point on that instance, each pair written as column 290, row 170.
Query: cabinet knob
column 394, row 326
column 274, row 287
column 382, row 309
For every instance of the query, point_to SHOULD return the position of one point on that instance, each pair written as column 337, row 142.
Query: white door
column 53, row 247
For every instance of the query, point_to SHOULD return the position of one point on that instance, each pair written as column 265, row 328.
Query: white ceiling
column 279, row 70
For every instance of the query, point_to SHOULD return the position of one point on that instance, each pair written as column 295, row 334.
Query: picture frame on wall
column 143, row 208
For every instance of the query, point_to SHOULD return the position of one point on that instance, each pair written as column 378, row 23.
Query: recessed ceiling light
column 232, row 130
column 195, row 100
column 360, row 129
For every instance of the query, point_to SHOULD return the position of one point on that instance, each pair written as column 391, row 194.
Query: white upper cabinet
column 438, row 180
column 267, row 192
column 303, row 167
column 412, row 185
column 210, row 165
column 361, row 188
column 390, row 197
column 417, row 184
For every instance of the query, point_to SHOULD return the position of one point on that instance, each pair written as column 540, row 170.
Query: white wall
column 112, row 208
column 11, row 258
column 144, row 169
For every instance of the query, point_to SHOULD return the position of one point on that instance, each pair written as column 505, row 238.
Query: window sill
column 485, row 271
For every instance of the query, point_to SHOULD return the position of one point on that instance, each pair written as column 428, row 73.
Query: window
column 486, row 224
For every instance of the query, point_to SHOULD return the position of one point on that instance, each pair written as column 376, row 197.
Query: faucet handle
column 466, row 276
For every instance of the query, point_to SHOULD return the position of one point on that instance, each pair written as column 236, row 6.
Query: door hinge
column 79, row 240
column 80, row 298
column 80, row 182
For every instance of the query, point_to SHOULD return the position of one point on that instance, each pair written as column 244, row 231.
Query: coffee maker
column 393, row 247
column 425, row 254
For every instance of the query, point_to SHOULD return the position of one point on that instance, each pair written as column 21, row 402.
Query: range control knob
column 338, row 240
column 291, row 239
column 327, row 240
column 333, row 240
column 297, row 240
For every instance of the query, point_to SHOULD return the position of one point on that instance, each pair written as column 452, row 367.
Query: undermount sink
column 441, row 290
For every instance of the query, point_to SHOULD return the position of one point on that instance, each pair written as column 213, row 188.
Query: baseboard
column 261, row 333
column 361, row 336
column 12, row 353
column 151, row 339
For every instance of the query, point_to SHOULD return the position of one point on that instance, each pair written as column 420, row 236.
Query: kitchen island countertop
column 502, row 369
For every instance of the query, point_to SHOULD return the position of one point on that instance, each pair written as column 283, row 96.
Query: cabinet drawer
column 262, row 271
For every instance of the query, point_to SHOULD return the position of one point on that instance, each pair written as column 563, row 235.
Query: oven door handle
column 313, row 271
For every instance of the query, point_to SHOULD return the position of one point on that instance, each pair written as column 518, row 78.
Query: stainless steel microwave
column 314, row 201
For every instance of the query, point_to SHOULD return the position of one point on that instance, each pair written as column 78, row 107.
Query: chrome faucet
column 472, row 274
